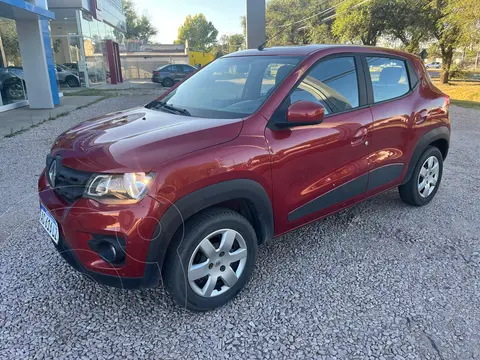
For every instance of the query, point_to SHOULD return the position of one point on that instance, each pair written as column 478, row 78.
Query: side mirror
column 305, row 113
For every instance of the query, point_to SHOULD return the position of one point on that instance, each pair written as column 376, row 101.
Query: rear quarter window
column 389, row 77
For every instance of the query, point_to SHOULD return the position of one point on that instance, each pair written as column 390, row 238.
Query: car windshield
column 231, row 87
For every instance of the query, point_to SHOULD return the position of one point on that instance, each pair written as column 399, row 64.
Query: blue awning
column 22, row 10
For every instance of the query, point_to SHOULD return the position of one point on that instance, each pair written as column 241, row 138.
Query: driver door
column 319, row 169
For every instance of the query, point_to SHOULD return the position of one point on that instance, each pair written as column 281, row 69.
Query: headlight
column 129, row 187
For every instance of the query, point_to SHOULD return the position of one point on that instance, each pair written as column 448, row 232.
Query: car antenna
column 262, row 45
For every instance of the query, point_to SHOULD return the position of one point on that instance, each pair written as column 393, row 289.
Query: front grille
column 69, row 183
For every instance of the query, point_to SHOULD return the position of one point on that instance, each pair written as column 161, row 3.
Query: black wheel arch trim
column 197, row 201
column 440, row 133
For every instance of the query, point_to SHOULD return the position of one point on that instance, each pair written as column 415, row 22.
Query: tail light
column 156, row 73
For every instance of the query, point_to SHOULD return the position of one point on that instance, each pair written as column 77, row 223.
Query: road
column 379, row 280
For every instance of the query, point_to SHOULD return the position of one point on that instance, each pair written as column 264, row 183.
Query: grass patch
column 467, row 104
column 462, row 93
column 88, row 92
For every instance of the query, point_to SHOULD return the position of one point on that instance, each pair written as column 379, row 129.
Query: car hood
column 139, row 140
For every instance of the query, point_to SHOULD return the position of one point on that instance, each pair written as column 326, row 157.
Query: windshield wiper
column 171, row 109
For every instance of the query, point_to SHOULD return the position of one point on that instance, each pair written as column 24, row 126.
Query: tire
column 212, row 226
column 418, row 190
column 72, row 81
column 167, row 82
column 16, row 91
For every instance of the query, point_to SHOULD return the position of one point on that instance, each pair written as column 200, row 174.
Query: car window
column 389, row 78
column 274, row 74
column 229, row 87
column 171, row 68
column 332, row 83
column 187, row 69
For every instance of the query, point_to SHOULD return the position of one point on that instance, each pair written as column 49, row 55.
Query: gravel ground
column 379, row 280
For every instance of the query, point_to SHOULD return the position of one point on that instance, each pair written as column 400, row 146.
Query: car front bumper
column 85, row 220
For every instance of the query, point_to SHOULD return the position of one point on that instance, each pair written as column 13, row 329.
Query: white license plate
column 49, row 224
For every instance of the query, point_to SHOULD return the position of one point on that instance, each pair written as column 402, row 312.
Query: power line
column 262, row 46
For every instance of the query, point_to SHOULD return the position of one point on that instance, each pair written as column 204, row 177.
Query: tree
column 402, row 21
column 200, row 33
column 232, row 43
column 298, row 22
column 450, row 22
column 138, row 27
column 8, row 33
column 360, row 21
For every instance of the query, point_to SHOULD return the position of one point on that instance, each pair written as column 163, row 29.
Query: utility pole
column 256, row 23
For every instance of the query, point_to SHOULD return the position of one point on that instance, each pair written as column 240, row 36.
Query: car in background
column 67, row 76
column 94, row 75
column 169, row 74
column 12, row 84
column 434, row 65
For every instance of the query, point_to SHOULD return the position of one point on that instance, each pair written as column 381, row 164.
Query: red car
column 256, row 144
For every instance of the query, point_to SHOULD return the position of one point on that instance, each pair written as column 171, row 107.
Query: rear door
column 318, row 169
column 391, row 83
column 187, row 70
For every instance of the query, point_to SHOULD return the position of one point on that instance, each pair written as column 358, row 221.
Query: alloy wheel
column 428, row 176
column 217, row 263
column 15, row 91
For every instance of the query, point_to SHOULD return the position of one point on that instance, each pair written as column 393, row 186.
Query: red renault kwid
column 256, row 144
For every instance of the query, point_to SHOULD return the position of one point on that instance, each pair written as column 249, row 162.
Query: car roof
column 306, row 50
column 281, row 50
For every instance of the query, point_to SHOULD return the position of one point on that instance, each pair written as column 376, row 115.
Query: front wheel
column 425, row 180
column 15, row 91
column 213, row 261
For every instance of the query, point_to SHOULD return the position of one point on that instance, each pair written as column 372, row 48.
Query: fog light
column 107, row 251
column 110, row 250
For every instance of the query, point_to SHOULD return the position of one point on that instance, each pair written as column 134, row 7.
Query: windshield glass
column 232, row 87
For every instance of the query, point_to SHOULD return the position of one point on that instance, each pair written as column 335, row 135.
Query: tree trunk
column 447, row 57
column 477, row 59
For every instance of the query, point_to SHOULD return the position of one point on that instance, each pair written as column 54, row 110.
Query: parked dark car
column 187, row 187
column 12, row 84
column 167, row 75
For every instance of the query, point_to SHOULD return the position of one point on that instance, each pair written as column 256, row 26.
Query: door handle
column 421, row 117
column 360, row 137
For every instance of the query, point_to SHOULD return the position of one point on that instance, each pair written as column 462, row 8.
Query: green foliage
column 232, row 43
column 139, row 27
column 200, row 33
column 8, row 33
column 282, row 13
column 402, row 21
column 360, row 21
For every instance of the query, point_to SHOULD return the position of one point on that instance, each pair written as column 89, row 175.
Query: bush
column 458, row 72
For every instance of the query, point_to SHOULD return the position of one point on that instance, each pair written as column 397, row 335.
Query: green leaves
column 138, row 27
column 200, row 33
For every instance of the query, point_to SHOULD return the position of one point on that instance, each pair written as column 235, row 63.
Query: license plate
column 49, row 224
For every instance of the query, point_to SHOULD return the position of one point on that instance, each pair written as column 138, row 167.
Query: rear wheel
column 72, row 81
column 425, row 180
column 167, row 82
column 213, row 261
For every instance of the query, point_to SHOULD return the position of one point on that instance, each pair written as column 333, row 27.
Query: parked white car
column 434, row 65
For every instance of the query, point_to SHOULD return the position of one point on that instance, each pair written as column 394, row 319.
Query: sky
column 168, row 15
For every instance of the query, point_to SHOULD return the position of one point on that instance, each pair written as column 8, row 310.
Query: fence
column 134, row 68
